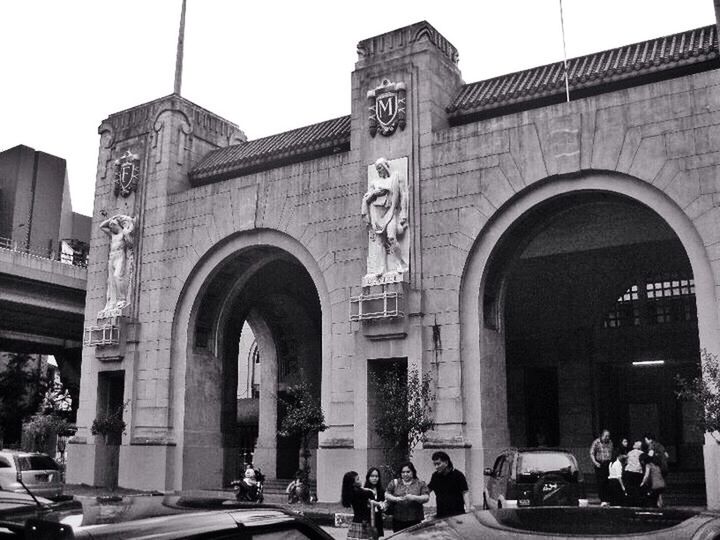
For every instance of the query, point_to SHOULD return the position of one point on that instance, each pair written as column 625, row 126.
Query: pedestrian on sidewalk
column 450, row 486
column 407, row 495
column 354, row 495
column 601, row 453
column 373, row 481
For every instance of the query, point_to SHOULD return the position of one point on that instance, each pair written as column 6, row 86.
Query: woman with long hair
column 408, row 494
column 373, row 482
column 361, row 500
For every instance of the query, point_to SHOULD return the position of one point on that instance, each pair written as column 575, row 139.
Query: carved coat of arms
column 386, row 105
column 127, row 173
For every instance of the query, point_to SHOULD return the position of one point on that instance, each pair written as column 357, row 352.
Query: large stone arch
column 482, row 349
column 187, row 308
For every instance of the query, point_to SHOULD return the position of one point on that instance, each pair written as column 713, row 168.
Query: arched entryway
column 598, row 313
column 262, row 292
column 566, row 287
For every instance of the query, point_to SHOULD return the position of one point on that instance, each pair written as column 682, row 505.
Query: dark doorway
column 379, row 371
column 541, row 406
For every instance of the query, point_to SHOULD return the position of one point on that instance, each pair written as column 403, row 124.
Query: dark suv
column 534, row 477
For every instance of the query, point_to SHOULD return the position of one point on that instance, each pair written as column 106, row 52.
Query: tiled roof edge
column 304, row 143
column 637, row 61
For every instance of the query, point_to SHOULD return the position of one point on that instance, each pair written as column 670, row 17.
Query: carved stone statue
column 385, row 211
column 120, row 229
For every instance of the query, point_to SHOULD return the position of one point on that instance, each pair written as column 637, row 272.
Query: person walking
column 373, row 482
column 450, row 487
column 407, row 494
column 361, row 500
column 601, row 452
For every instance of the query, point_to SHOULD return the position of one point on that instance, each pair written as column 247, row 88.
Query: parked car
column 571, row 524
column 40, row 473
column 534, row 477
column 174, row 517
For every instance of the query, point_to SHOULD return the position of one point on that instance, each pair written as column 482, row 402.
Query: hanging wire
column 567, row 82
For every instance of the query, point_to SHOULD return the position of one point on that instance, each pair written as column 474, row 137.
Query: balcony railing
column 76, row 258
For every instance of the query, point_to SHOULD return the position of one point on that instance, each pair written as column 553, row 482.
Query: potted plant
column 110, row 425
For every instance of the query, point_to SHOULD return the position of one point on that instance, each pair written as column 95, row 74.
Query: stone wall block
column 708, row 226
column 561, row 139
column 700, row 206
column 629, row 148
column 527, row 153
column 684, row 188
column 667, row 173
column 510, row 169
column 680, row 143
column 610, row 128
column 495, row 186
column 587, row 138
column 649, row 159
column 472, row 220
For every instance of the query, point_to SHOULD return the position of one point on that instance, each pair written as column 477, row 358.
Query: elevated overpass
column 42, row 304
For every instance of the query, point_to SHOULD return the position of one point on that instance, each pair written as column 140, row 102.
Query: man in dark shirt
column 450, row 487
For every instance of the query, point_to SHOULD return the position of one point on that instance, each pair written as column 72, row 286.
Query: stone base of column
column 711, row 453
column 332, row 464
column 265, row 459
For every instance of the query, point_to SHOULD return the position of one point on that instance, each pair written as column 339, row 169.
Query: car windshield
column 35, row 463
column 534, row 464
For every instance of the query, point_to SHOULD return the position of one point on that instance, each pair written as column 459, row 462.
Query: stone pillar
column 266, row 448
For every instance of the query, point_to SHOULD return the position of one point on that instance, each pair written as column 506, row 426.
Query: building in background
column 36, row 213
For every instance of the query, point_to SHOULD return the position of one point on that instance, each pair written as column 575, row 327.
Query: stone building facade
column 536, row 255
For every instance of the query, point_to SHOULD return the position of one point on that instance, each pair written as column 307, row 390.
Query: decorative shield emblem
column 127, row 173
column 386, row 105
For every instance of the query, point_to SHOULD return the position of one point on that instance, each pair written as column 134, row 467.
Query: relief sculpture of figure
column 120, row 229
column 385, row 210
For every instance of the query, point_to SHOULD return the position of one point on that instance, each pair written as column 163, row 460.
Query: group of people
column 403, row 497
column 629, row 475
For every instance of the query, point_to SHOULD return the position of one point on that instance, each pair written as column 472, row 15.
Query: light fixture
column 649, row 363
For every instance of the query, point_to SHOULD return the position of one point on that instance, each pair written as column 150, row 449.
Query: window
column 671, row 299
column 626, row 311
column 658, row 299
column 4, row 463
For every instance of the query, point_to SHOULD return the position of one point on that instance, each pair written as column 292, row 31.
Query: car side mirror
column 488, row 471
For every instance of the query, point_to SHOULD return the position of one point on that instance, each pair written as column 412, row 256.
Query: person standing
column 601, row 452
column 450, row 487
column 361, row 500
column 373, row 482
column 657, row 450
column 653, row 481
column 407, row 494
column 617, row 494
column 633, row 475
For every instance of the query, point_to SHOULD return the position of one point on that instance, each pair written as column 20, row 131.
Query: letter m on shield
column 386, row 107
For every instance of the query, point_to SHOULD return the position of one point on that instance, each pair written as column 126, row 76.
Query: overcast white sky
column 268, row 65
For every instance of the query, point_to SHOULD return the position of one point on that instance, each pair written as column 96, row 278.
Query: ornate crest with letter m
column 386, row 105
column 127, row 173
